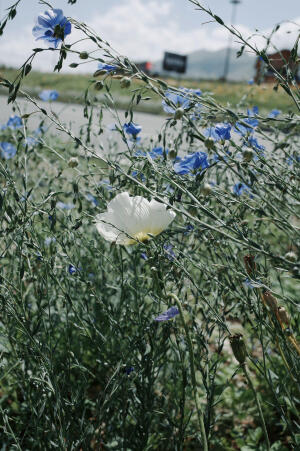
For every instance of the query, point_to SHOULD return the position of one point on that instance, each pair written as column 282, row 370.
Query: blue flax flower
column 128, row 370
column 251, row 82
column 240, row 188
column 274, row 113
column 192, row 162
column 168, row 248
column 107, row 67
column 132, row 129
column 144, row 256
column 252, row 141
column 138, row 175
column 244, row 129
column 92, row 199
column 223, row 131
column 72, row 269
column 210, row 132
column 48, row 95
column 169, row 314
column 178, row 100
column 52, row 27
column 65, row 206
column 30, row 141
column 8, row 151
column 14, row 122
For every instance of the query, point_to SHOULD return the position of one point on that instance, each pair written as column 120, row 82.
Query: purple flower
column 132, row 129
column 7, row 150
column 240, row 188
column 192, row 162
column 14, row 122
column 223, row 131
column 48, row 95
column 107, row 67
column 52, row 27
column 168, row 248
column 274, row 113
column 169, row 314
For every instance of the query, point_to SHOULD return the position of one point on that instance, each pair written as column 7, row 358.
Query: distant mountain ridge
column 207, row 64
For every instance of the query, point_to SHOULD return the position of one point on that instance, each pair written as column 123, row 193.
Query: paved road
column 72, row 115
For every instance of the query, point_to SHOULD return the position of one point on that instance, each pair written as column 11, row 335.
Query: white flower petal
column 131, row 219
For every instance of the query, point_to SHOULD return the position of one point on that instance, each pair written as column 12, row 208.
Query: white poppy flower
column 129, row 220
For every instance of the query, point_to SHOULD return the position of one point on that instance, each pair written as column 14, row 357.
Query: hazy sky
column 143, row 29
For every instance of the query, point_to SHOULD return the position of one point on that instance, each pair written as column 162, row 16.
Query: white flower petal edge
column 129, row 220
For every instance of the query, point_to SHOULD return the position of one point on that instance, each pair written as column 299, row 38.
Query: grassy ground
column 72, row 86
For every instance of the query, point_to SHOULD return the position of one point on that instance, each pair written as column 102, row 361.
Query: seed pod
column 238, row 347
column 249, row 263
column 206, row 189
column 125, row 82
column 283, row 316
column 270, row 300
column 209, row 143
column 179, row 113
column 83, row 55
column 73, row 162
column 291, row 256
column 99, row 85
column 248, row 155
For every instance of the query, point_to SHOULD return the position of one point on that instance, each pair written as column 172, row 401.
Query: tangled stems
column 192, row 363
column 244, row 368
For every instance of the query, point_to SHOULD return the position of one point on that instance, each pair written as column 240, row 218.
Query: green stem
column 258, row 405
column 192, row 363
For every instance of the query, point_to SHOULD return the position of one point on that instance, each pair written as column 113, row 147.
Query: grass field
column 71, row 88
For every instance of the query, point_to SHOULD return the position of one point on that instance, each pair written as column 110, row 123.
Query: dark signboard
column 174, row 62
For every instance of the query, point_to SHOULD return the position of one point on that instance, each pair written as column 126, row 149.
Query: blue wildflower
column 169, row 314
column 248, row 283
column 178, row 100
column 240, row 188
column 251, row 82
column 210, row 132
column 14, row 122
column 3, row 127
column 138, row 175
column 192, row 162
column 49, row 240
column 48, row 95
column 105, row 183
column 52, row 27
column 128, row 370
column 72, row 270
column 291, row 160
column 252, row 141
column 144, row 256
column 168, row 248
column 92, row 199
column 253, row 112
column 30, row 141
column 223, row 131
column 107, row 67
column 65, row 206
column 132, row 129
column 244, row 129
column 274, row 113
column 189, row 228
column 8, row 151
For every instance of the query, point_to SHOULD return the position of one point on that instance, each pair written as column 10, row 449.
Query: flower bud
column 172, row 154
column 283, row 316
column 99, row 72
column 73, row 162
column 238, row 347
column 206, row 189
column 179, row 113
column 291, row 256
column 249, row 263
column 270, row 300
column 209, row 143
column 98, row 85
column 125, row 82
column 73, row 65
column 83, row 55
column 248, row 155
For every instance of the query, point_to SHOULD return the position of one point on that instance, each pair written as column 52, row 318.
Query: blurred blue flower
column 48, row 94
column 128, row 370
column 107, row 67
column 274, row 113
column 3, row 127
column 52, row 27
column 8, row 151
column 223, row 131
column 248, row 283
column 105, row 183
column 251, row 82
column 192, row 162
column 156, row 152
column 144, row 256
column 240, row 188
column 169, row 314
column 49, row 240
column 72, row 270
column 253, row 112
column 189, row 228
column 179, row 101
column 252, row 141
column 30, row 141
column 210, row 132
column 65, row 206
column 243, row 129
column 14, row 122
column 138, row 175
column 132, row 129
column 294, row 159
column 92, row 199
column 168, row 248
